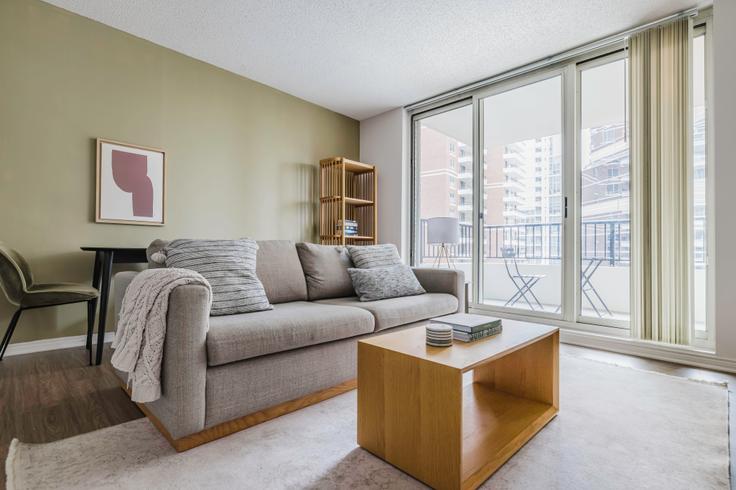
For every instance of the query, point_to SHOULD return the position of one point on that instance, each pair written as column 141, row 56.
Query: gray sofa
column 224, row 373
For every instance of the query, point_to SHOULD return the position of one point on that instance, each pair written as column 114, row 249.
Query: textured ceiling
column 363, row 57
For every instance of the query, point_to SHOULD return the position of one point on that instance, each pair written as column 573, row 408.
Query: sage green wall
column 242, row 157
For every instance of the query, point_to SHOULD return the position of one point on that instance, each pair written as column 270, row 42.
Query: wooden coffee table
column 417, row 410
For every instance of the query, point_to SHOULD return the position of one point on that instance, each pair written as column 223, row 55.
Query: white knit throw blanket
column 139, row 338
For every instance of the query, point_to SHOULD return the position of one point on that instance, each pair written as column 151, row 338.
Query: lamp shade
column 443, row 230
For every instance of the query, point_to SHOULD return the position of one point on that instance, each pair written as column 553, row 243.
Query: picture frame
column 130, row 184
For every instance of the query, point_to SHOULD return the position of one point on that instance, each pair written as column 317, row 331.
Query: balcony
column 537, row 251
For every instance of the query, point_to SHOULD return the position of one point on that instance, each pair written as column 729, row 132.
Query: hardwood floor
column 49, row 396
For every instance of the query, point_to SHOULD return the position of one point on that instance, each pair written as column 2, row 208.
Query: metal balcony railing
column 605, row 239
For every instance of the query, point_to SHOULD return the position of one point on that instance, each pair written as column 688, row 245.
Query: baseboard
column 43, row 345
column 677, row 354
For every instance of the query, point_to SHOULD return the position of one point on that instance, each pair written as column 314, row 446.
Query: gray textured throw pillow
column 385, row 282
column 326, row 270
column 230, row 268
column 370, row 256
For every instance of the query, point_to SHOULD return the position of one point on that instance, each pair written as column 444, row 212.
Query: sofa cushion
column 288, row 326
column 230, row 268
column 156, row 246
column 392, row 312
column 369, row 256
column 279, row 269
column 326, row 270
column 385, row 282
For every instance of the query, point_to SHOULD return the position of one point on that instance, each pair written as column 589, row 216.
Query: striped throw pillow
column 371, row 256
column 230, row 268
column 377, row 283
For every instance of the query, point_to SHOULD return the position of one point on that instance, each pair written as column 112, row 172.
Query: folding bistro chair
column 523, row 282
column 586, row 286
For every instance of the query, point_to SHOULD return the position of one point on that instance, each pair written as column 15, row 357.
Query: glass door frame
column 563, row 72
column 703, row 25
column 415, row 204
column 571, row 298
column 576, row 199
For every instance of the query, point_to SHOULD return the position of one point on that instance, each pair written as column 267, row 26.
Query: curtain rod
column 550, row 60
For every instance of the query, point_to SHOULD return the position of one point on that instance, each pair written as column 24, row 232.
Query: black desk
column 104, row 258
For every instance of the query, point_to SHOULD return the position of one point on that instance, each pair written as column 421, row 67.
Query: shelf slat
column 348, row 237
column 348, row 200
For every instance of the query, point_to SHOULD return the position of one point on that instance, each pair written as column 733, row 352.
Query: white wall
column 724, row 121
column 384, row 142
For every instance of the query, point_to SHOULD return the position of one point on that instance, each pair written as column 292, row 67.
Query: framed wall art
column 131, row 184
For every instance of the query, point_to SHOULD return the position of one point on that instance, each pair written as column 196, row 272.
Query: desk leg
column 104, row 294
column 92, row 305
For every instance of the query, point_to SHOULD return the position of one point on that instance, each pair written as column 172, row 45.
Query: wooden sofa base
column 241, row 423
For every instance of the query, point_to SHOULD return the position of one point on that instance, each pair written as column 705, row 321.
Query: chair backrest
column 15, row 275
column 509, row 256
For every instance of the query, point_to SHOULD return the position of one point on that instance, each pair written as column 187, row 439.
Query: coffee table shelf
column 496, row 423
column 417, row 412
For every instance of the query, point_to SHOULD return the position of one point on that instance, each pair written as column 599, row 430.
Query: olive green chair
column 16, row 281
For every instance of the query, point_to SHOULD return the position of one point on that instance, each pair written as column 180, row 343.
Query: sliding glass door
column 443, row 197
column 604, row 253
column 522, row 216
column 525, row 186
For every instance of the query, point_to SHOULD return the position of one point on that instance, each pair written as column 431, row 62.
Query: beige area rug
column 618, row 428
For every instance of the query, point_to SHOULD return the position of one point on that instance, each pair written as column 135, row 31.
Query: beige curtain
column 661, row 236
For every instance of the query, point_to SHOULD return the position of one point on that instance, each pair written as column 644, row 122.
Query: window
column 435, row 192
column 604, row 202
column 554, row 186
column 700, row 188
column 523, row 238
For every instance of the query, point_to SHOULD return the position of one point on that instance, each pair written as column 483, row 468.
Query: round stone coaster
column 439, row 335
column 438, row 328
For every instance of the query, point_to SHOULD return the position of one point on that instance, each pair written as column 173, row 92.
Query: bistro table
column 101, row 276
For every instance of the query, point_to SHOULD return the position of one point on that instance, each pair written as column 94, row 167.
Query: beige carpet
column 618, row 428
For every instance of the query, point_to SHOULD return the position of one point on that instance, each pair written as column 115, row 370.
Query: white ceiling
column 363, row 57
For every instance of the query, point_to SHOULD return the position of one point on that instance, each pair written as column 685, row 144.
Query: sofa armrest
column 448, row 281
column 181, row 408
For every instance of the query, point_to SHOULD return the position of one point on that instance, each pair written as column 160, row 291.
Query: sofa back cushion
column 326, row 270
column 279, row 269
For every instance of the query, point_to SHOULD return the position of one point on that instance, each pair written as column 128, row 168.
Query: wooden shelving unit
column 347, row 191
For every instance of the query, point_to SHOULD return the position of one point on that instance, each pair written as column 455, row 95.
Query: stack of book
column 351, row 227
column 467, row 327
